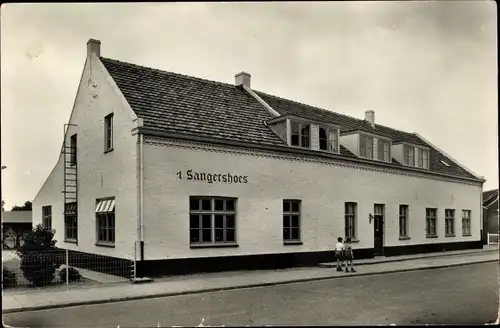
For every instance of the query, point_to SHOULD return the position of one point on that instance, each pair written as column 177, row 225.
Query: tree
column 39, row 256
column 26, row 207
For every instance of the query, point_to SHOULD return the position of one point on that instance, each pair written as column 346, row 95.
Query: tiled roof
column 489, row 196
column 178, row 103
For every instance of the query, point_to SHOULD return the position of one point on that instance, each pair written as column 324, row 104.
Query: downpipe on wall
column 141, row 194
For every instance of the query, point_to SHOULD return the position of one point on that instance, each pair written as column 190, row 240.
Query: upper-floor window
column 108, row 132
column 47, row 217
column 365, row 146
column 383, row 151
column 423, row 158
column 409, row 155
column 301, row 134
column 73, row 149
column 328, row 139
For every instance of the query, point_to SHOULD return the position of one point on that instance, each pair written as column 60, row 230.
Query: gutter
column 288, row 150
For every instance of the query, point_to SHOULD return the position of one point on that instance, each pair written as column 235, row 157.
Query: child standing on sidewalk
column 348, row 256
column 339, row 253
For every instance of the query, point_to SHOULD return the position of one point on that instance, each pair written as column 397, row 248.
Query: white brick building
column 201, row 175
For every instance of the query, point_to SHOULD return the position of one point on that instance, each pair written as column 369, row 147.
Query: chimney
column 370, row 117
column 94, row 47
column 242, row 79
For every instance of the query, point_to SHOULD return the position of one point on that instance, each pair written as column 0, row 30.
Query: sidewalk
column 191, row 284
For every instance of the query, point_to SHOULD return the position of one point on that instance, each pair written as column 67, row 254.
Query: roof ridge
column 330, row 111
column 168, row 72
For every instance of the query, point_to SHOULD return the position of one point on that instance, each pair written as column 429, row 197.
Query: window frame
column 71, row 218
column 421, row 163
column 47, row 217
column 384, row 151
column 430, row 218
column 404, row 231
column 466, row 218
column 291, row 213
column 449, row 223
column 363, row 146
column 110, row 229
column 329, row 132
column 350, row 217
column 108, row 132
column 300, row 134
column 411, row 155
column 213, row 212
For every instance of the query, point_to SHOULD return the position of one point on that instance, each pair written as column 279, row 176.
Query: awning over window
column 70, row 208
column 105, row 206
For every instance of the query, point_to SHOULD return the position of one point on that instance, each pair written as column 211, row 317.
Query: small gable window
column 383, row 151
column 365, row 146
column 328, row 139
column 301, row 134
column 423, row 158
column 409, row 153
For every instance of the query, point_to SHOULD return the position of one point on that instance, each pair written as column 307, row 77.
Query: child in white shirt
column 339, row 253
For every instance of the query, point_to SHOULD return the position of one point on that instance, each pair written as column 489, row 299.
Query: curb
column 334, row 264
column 209, row 290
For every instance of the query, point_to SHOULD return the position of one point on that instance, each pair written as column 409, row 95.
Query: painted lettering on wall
column 211, row 177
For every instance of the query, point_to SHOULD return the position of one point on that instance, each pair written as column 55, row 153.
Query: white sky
column 425, row 67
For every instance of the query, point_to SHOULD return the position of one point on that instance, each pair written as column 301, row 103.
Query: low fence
column 59, row 267
column 492, row 238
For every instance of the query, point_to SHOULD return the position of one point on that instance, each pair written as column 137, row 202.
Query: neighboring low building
column 15, row 224
column 490, row 213
column 185, row 174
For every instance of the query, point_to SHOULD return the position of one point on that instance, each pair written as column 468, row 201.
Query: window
column 47, row 217
column 105, row 221
column 212, row 220
column 409, row 153
column 70, row 222
column 431, row 218
column 108, row 132
column 72, row 149
column 300, row 134
column 449, row 223
column 466, row 222
column 366, row 147
column 350, row 220
column 291, row 220
column 423, row 158
column 403, row 220
column 383, row 152
column 328, row 139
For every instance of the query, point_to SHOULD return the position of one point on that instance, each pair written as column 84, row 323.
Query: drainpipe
column 141, row 193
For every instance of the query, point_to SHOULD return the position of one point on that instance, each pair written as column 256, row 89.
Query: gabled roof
column 489, row 197
column 175, row 103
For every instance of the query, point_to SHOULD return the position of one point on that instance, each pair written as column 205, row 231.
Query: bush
column 39, row 256
column 9, row 278
column 74, row 275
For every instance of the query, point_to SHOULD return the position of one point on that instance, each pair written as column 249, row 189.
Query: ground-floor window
column 212, row 220
column 449, row 216
column 291, row 220
column 47, row 217
column 431, row 218
column 350, row 220
column 466, row 222
column 403, row 220
column 71, row 222
column 105, row 221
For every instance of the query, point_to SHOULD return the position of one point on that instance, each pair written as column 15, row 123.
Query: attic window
column 445, row 163
column 328, row 139
column 301, row 134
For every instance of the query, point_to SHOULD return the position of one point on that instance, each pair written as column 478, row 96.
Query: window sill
column 450, row 236
column 467, row 235
column 404, row 238
column 431, row 236
column 214, row 245
column 71, row 241
column 292, row 242
column 103, row 244
column 108, row 150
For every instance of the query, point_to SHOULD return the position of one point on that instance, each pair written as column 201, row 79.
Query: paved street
column 460, row 295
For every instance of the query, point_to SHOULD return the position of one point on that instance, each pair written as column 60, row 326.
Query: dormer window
column 409, row 153
column 301, row 134
column 423, row 158
column 383, row 151
column 328, row 139
column 366, row 147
